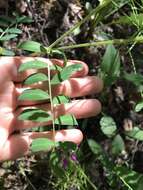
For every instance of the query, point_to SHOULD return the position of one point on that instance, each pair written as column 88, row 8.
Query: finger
column 77, row 87
column 81, row 73
column 3, row 138
column 11, row 151
column 74, row 87
column 12, row 64
column 79, row 108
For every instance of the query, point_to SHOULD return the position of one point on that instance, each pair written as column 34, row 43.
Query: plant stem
column 90, row 182
column 87, row 178
column 51, row 102
column 138, row 39
column 78, row 167
column 94, row 11
column 125, row 183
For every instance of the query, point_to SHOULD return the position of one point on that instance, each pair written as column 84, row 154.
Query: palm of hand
column 10, row 107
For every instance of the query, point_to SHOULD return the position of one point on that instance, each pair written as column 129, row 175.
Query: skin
column 14, row 141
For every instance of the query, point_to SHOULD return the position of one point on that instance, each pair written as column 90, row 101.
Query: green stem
column 89, row 181
column 51, row 102
column 104, row 42
column 94, row 11
column 5, row 31
column 86, row 177
column 125, row 183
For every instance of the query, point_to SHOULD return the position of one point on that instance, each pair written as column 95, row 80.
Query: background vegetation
column 107, row 35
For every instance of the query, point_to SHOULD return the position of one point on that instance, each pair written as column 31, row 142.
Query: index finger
column 13, row 63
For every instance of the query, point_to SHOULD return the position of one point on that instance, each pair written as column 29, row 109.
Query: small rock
column 2, row 172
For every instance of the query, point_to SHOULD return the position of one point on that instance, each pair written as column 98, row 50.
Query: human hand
column 14, row 145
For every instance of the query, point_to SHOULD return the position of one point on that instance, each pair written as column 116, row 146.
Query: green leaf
column 135, row 133
column 30, row 46
column 66, row 120
column 8, row 52
column 66, row 73
column 60, row 99
column 55, row 164
column 55, row 53
column 1, row 30
column 110, row 66
column 14, row 31
column 36, row 115
column 135, row 78
column 129, row 178
column 108, row 126
column 133, row 19
column 113, row 7
column 66, row 146
column 23, row 19
column 34, row 94
column 95, row 147
column 60, row 54
column 56, row 67
column 139, row 107
column 118, row 145
column 42, row 144
column 77, row 31
column 139, row 183
column 35, row 78
column 101, row 156
column 7, row 37
column 36, row 64
column 4, row 51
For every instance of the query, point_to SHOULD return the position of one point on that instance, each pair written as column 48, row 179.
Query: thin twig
column 94, row 11
column 138, row 39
